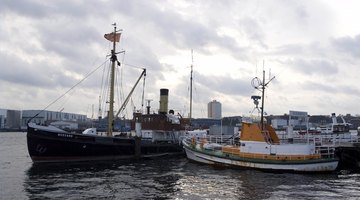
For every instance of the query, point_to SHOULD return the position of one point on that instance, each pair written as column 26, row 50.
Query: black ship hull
column 47, row 145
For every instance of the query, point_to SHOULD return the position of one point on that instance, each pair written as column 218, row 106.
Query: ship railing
column 326, row 151
column 186, row 138
column 236, row 152
column 333, row 139
column 222, row 140
column 218, row 139
column 326, row 139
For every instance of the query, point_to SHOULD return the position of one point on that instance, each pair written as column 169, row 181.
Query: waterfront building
column 46, row 117
column 205, row 123
column 214, row 110
column 10, row 119
column 279, row 123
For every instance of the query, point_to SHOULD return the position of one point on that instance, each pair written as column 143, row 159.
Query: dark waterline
column 165, row 178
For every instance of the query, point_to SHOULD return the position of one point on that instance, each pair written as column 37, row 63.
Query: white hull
column 215, row 160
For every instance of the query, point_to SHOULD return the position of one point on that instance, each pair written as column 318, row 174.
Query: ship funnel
column 164, row 94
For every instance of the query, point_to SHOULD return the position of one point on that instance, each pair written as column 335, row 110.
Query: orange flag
column 112, row 37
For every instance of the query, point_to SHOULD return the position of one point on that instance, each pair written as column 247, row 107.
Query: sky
column 312, row 48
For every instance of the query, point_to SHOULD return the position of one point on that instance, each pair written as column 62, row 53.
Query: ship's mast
column 261, row 85
column 191, row 80
column 262, row 101
column 112, row 81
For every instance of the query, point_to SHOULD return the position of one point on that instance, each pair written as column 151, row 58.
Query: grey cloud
column 45, row 9
column 207, row 87
column 142, row 56
column 72, row 32
column 348, row 45
column 27, row 8
column 39, row 74
column 62, row 38
column 329, row 88
column 178, row 31
column 319, row 67
column 312, row 86
column 226, row 85
column 290, row 49
column 17, row 71
column 253, row 31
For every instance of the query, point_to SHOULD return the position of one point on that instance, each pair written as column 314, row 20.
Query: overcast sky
column 311, row 47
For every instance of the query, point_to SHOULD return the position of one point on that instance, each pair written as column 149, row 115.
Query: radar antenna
column 256, row 99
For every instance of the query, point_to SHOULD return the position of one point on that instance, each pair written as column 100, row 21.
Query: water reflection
column 177, row 178
column 222, row 183
column 117, row 180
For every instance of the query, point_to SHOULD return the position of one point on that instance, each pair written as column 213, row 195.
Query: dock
column 349, row 156
column 344, row 146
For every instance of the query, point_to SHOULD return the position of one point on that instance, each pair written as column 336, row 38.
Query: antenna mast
column 191, row 80
column 261, row 85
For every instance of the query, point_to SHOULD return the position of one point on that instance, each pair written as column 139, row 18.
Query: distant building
column 46, row 117
column 231, row 121
column 2, row 118
column 299, row 120
column 223, row 130
column 214, row 110
column 10, row 119
column 279, row 123
column 205, row 123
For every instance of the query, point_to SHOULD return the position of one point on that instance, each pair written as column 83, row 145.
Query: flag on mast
column 112, row 37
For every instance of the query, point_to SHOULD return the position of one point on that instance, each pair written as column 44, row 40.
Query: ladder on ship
column 267, row 136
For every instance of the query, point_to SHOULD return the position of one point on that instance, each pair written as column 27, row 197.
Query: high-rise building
column 214, row 110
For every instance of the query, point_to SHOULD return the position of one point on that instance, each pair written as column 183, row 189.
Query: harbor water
column 164, row 178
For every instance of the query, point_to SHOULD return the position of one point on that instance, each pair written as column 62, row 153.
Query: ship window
column 243, row 144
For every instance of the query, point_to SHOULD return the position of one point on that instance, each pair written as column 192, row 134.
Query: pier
column 345, row 146
column 349, row 156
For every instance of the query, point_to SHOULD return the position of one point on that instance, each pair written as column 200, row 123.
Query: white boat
column 259, row 147
column 259, row 150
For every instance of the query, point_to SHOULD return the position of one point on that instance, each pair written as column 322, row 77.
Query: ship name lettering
column 64, row 135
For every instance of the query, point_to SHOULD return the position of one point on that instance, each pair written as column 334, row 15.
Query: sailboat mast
column 112, row 82
column 191, row 80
